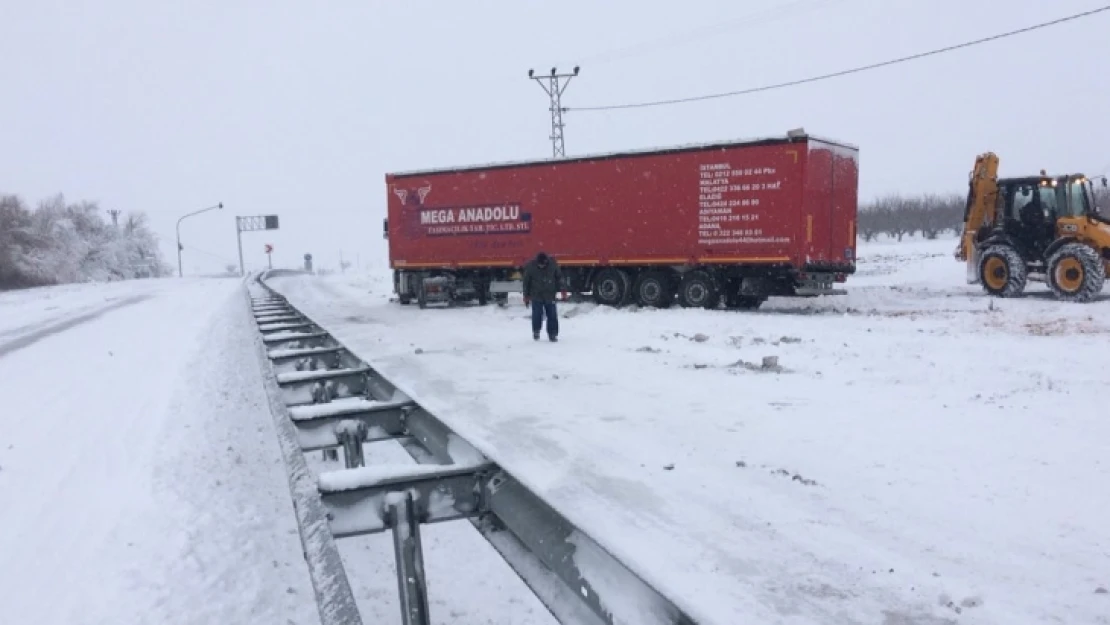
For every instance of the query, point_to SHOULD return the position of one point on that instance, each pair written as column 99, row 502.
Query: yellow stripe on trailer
column 648, row 261
column 500, row 263
column 745, row 259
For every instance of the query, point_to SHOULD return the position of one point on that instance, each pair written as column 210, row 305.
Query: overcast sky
column 300, row 109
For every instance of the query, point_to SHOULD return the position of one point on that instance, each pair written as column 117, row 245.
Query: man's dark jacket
column 542, row 284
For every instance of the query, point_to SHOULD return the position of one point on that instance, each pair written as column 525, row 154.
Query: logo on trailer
column 418, row 219
column 413, row 197
column 412, row 200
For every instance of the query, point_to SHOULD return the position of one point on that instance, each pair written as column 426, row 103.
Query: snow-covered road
column 926, row 454
column 140, row 478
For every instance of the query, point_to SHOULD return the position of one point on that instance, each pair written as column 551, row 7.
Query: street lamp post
column 179, row 272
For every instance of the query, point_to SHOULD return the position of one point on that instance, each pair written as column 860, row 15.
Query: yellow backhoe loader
column 1044, row 228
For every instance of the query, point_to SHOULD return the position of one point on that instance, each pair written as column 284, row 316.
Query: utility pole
column 554, row 84
column 179, row 248
column 114, row 212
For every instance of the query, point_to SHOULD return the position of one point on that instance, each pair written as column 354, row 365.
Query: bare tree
column 896, row 216
column 1102, row 200
column 870, row 223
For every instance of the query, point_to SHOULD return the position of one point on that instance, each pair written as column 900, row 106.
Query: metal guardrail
column 334, row 599
column 323, row 397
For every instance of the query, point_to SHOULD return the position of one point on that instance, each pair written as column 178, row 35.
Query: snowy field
column 925, row 454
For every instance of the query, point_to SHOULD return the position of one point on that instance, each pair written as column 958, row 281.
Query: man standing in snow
column 542, row 281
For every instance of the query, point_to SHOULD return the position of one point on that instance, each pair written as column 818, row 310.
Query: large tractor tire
column 1076, row 273
column 1002, row 271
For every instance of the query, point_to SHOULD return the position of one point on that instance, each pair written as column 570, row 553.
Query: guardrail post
column 410, row 559
column 351, row 434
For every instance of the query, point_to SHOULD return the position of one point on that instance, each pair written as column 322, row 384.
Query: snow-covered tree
column 59, row 243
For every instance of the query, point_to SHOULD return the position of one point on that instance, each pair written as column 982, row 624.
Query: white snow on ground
column 926, row 454
column 25, row 312
column 140, row 476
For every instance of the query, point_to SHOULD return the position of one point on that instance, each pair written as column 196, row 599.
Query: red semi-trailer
column 731, row 222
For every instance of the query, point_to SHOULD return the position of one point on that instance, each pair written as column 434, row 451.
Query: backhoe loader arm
column 982, row 196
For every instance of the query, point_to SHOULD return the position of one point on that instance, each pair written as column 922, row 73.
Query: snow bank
column 143, row 488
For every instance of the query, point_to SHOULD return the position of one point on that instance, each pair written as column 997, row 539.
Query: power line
column 854, row 70
column 768, row 14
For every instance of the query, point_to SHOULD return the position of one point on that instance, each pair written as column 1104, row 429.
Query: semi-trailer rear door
column 832, row 180
column 845, row 204
column 817, row 216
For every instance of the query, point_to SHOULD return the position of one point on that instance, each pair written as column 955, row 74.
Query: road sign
column 257, row 222
column 253, row 223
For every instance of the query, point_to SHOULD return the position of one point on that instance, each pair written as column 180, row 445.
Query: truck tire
column 421, row 295
column 1076, row 273
column 1002, row 271
column 699, row 290
column 655, row 289
column 401, row 285
column 612, row 287
column 737, row 300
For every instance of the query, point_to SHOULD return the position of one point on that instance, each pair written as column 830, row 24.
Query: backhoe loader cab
column 1034, row 228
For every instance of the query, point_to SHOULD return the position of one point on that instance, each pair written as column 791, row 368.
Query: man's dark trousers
column 539, row 310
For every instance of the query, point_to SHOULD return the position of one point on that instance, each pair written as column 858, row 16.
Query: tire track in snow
column 51, row 329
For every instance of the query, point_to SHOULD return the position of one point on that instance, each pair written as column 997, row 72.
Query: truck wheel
column 612, row 287
column 698, row 290
column 655, row 289
column 1002, row 271
column 1075, row 273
